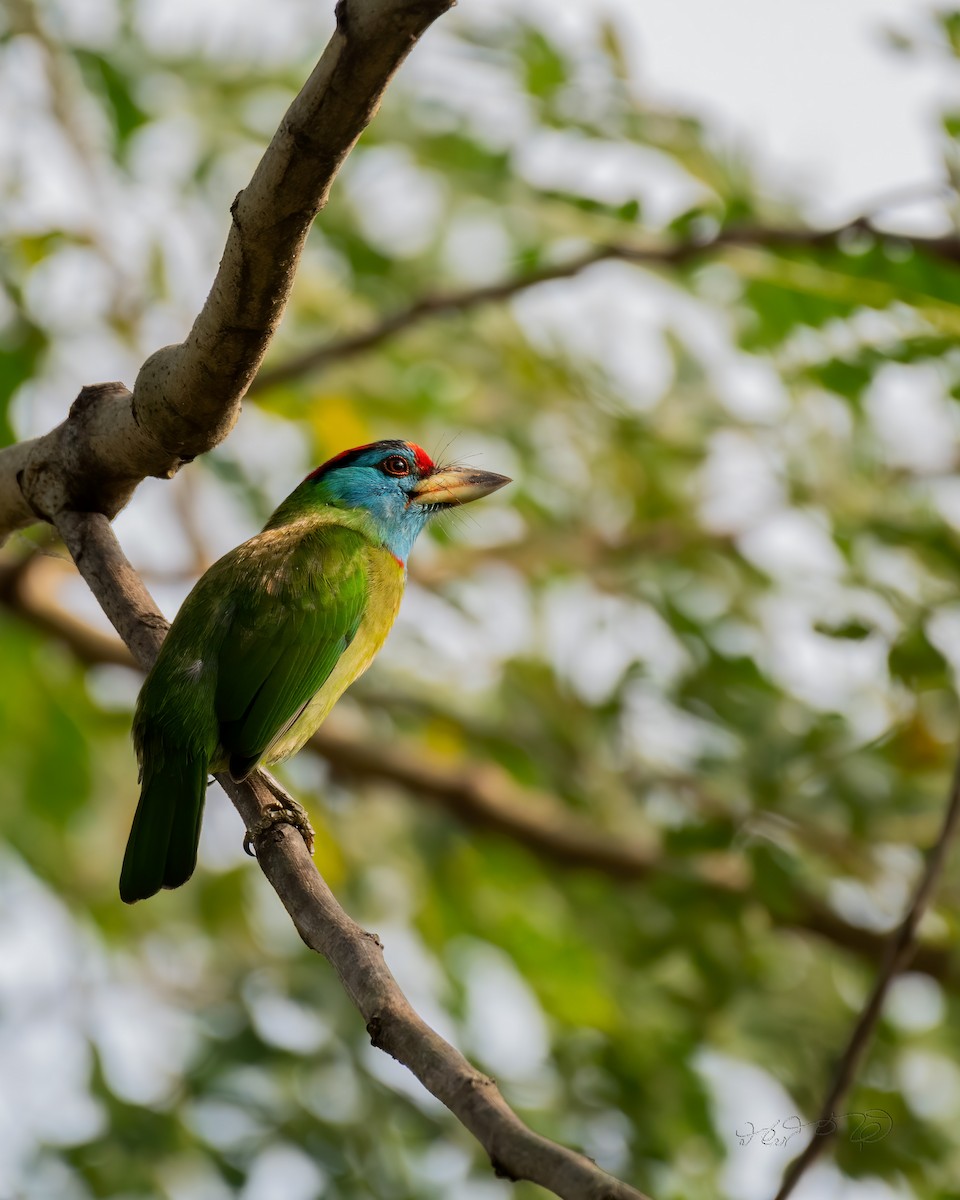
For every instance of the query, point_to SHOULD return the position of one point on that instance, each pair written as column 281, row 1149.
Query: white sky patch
column 458, row 78
column 793, row 543
column 151, row 531
column 612, row 172
column 284, row 1172
column 944, row 494
column 477, row 249
column 282, row 1021
column 591, row 638
column 47, row 969
column 497, row 600
column 143, row 1043
column 931, row 1085
column 335, row 1092
column 894, row 567
column 880, row 903
column 168, row 146
column 231, row 30
column 444, row 1166
column 45, row 195
column 743, row 1095
column 561, row 449
column 69, row 290
column 419, row 974
column 666, row 737
column 749, row 387
column 488, row 525
column 395, row 1076
column 915, row 1003
column 190, row 1176
column 740, row 482
column 273, row 450
column 397, row 203
column 463, row 638
column 943, row 630
column 222, row 1124
column 48, row 1064
column 833, row 674
column 504, row 1022
column 840, row 118
column 606, row 1139
column 612, row 315
column 917, row 423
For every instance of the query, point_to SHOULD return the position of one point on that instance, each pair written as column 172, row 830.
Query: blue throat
column 397, row 520
column 399, row 536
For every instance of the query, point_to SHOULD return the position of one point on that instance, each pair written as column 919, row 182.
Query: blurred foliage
column 716, row 615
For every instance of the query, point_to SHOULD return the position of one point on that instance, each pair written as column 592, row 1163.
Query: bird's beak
column 456, row 485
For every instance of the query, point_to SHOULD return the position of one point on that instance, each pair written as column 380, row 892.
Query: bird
column 271, row 636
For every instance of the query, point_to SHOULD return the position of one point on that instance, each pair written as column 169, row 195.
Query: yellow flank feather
column 386, row 579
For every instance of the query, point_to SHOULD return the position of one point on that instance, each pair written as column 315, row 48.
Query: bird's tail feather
column 162, row 847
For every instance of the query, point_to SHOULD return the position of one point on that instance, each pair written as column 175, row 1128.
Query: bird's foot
column 284, row 810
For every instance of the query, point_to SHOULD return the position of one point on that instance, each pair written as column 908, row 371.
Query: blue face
column 380, row 478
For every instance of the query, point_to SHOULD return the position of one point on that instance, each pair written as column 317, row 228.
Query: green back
column 284, row 636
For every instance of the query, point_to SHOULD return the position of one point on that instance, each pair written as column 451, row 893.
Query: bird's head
column 400, row 486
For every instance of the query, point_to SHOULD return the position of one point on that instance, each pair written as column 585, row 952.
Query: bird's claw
column 280, row 812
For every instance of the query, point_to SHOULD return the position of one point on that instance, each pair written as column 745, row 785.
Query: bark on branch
column 515, row 1151
column 187, row 397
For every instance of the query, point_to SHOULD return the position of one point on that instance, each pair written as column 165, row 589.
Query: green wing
column 286, row 631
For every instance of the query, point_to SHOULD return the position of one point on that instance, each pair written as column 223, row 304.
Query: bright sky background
column 811, row 87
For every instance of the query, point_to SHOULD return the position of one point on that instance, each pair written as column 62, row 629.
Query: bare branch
column 898, row 955
column 515, row 1151
column 187, row 397
column 394, row 1026
column 653, row 254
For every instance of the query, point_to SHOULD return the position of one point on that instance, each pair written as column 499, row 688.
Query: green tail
column 162, row 847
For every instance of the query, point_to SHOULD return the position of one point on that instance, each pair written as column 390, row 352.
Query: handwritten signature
column 866, row 1127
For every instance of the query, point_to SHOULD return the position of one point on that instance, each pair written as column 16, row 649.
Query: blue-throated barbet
column 272, row 634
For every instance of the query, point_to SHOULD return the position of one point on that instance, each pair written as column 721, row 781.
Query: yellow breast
column 385, row 582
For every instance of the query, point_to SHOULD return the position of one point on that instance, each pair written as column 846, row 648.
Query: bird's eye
column 396, row 464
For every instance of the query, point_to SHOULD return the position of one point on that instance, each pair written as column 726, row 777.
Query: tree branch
column 187, row 397
column 515, row 1151
column 653, row 254
column 899, row 952
column 486, row 797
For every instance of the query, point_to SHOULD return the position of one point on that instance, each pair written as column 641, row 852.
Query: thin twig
column 515, row 1151
column 674, row 253
column 899, row 952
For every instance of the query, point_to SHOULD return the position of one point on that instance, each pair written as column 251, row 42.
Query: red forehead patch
column 424, row 461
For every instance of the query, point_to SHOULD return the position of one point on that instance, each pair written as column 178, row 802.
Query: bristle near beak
column 456, row 485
